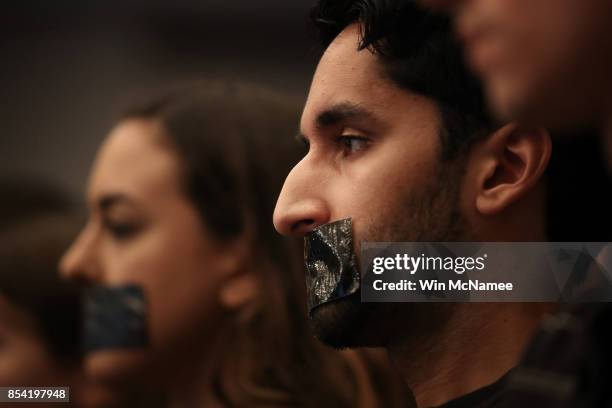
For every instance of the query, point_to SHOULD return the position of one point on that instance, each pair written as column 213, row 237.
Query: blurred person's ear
column 240, row 286
column 239, row 290
column 506, row 166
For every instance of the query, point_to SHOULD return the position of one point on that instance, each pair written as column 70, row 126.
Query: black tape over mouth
column 114, row 318
column 331, row 266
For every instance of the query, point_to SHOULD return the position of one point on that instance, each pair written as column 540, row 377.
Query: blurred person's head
column 180, row 196
column 541, row 60
column 400, row 141
column 39, row 314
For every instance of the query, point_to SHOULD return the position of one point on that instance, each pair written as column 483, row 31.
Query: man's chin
column 347, row 322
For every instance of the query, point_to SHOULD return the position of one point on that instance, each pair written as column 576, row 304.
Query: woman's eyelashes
column 122, row 230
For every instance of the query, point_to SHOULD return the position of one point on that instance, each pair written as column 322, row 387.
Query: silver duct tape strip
column 331, row 267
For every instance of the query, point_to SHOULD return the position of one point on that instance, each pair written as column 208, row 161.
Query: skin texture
column 546, row 61
column 143, row 230
column 340, row 153
column 383, row 170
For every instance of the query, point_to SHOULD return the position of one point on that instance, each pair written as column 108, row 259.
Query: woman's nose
column 79, row 263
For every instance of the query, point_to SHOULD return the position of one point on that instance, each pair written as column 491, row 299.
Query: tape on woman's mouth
column 114, row 318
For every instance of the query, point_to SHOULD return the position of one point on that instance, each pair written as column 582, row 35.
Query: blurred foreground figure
column 547, row 61
column 550, row 61
column 39, row 314
column 193, row 292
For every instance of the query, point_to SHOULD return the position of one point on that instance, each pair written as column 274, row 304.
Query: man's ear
column 509, row 164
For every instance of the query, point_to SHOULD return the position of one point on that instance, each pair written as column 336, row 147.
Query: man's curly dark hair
column 419, row 53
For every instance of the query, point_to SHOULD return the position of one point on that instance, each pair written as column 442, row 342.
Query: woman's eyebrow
column 107, row 201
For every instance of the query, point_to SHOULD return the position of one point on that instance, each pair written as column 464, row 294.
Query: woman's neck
column 193, row 380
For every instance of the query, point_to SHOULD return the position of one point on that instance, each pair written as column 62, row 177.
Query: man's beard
column 429, row 214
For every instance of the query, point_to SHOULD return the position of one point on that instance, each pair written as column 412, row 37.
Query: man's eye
column 352, row 144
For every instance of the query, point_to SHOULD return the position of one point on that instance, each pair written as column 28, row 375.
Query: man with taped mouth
column 401, row 148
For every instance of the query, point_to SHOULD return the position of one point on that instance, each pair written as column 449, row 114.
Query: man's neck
column 477, row 345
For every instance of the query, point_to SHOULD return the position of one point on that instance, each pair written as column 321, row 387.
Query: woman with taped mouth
column 192, row 291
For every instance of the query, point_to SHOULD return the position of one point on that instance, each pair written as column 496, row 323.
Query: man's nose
column 79, row 263
column 301, row 205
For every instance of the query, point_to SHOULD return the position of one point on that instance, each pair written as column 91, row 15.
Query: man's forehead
column 347, row 75
column 345, row 66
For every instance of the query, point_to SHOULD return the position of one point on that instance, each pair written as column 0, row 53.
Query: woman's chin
column 116, row 366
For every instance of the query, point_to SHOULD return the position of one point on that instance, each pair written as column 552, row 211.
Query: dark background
column 67, row 67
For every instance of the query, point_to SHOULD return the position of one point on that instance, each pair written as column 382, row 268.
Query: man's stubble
column 426, row 214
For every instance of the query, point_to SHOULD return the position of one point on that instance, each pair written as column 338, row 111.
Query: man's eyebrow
column 341, row 112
